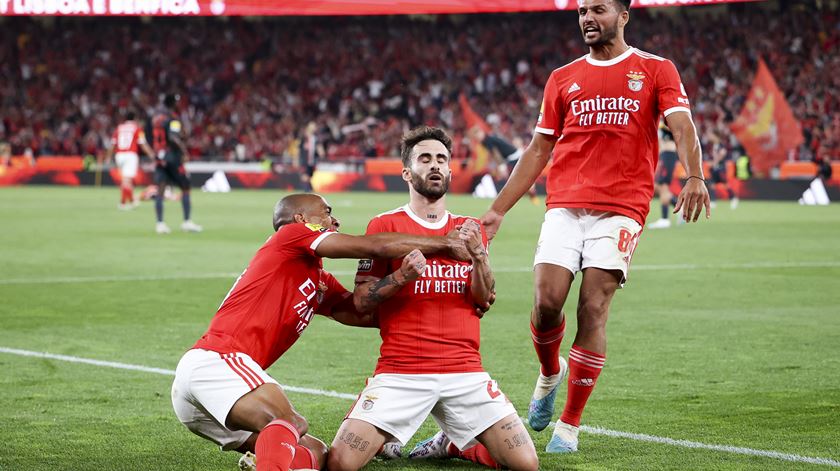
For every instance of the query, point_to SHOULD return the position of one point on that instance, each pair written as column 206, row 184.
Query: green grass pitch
column 728, row 333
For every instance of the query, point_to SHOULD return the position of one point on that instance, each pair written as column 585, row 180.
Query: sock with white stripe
column 276, row 446
column 547, row 346
column 584, row 368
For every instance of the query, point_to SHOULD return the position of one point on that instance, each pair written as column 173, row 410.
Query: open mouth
column 435, row 177
column 591, row 30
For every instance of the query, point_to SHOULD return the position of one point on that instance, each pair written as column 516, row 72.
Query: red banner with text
column 299, row 7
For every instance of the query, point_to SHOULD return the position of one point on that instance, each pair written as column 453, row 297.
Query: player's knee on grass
column 510, row 445
column 354, row 445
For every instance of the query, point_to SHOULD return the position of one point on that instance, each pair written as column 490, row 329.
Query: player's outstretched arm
column 483, row 284
column 371, row 291
column 388, row 245
column 694, row 195
column 532, row 163
column 345, row 312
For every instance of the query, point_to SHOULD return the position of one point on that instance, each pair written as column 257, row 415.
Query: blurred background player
column 125, row 141
column 221, row 391
column 171, row 152
column 668, row 159
column 599, row 116
column 505, row 154
column 429, row 358
column 311, row 150
column 720, row 155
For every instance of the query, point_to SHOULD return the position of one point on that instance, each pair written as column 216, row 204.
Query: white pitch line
column 118, row 278
column 148, row 369
column 588, row 429
column 232, row 275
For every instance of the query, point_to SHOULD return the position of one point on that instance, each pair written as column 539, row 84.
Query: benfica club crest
column 635, row 83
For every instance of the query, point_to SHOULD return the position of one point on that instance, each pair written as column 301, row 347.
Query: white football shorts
column 463, row 404
column 207, row 385
column 577, row 238
column 127, row 162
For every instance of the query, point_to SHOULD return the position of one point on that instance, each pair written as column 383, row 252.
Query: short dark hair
column 417, row 135
column 130, row 115
column 171, row 99
column 624, row 3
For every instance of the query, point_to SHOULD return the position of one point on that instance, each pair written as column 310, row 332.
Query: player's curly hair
column 417, row 135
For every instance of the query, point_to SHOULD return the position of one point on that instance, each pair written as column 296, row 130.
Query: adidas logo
column 585, row 382
column 574, row 88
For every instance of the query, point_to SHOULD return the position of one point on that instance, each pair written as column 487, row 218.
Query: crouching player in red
column 221, row 390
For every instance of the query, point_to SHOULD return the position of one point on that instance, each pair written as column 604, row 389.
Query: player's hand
column 492, row 221
column 470, row 233
column 412, row 266
column 693, row 197
column 481, row 309
column 456, row 246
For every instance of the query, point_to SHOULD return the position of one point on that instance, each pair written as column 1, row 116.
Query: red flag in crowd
column 766, row 126
column 481, row 155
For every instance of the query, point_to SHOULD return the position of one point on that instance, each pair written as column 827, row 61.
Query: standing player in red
column 600, row 115
column 429, row 359
column 221, row 390
column 124, row 145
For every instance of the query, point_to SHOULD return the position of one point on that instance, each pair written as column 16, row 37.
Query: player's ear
column 299, row 218
column 406, row 175
column 624, row 18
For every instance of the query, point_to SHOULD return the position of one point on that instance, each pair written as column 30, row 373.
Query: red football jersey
column 274, row 299
column 606, row 114
column 430, row 325
column 128, row 137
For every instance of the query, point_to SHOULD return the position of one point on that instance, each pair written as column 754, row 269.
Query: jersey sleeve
column 371, row 269
column 671, row 96
column 334, row 293
column 301, row 237
column 140, row 136
column 550, row 120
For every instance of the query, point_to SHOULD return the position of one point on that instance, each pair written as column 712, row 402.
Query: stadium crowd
column 252, row 86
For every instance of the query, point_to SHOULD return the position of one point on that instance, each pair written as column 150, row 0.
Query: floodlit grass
column 738, row 347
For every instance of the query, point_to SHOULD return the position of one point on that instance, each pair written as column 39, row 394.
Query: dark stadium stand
column 252, row 86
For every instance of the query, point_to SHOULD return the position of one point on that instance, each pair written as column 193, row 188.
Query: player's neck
column 426, row 209
column 605, row 52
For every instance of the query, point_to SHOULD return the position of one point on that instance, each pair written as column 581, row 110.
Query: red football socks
column 477, row 454
column 275, row 448
column 126, row 195
column 547, row 345
column 584, row 368
column 304, row 459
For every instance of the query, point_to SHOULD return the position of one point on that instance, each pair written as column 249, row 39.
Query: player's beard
column 607, row 35
column 424, row 187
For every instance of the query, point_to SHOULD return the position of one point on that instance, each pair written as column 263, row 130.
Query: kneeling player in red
column 221, row 390
column 430, row 362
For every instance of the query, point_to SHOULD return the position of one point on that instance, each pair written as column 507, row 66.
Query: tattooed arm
column 370, row 292
column 483, row 284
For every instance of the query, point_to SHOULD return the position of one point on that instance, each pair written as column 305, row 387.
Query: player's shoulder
column 459, row 219
column 648, row 56
column 394, row 216
column 571, row 67
column 296, row 230
column 394, row 213
column 652, row 61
